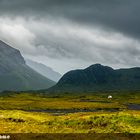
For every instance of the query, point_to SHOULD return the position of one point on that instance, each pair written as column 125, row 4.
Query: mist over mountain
column 99, row 78
column 15, row 75
column 44, row 70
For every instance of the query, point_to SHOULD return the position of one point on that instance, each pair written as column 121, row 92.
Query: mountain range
column 16, row 75
column 44, row 70
column 98, row 78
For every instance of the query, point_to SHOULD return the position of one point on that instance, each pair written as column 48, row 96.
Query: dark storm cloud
column 121, row 15
column 73, row 33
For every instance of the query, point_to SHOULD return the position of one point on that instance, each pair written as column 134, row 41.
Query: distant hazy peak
column 41, row 64
column 44, row 70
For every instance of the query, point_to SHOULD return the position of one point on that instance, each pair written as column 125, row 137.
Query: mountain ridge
column 98, row 78
column 15, row 75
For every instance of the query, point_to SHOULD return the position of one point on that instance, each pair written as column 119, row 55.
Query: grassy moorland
column 100, row 122
column 34, row 113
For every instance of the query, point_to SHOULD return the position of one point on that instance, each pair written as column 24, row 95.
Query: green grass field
column 19, row 114
column 24, row 122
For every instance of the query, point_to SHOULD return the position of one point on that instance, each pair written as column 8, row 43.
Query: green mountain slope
column 99, row 78
column 16, row 75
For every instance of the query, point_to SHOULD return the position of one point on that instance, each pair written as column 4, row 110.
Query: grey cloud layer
column 73, row 33
column 121, row 15
column 67, row 40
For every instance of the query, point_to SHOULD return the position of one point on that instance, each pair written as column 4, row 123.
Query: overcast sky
column 71, row 34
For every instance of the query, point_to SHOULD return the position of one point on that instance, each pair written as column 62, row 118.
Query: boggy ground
column 29, row 113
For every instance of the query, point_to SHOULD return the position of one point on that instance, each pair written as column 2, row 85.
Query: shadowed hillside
column 15, row 74
column 99, row 78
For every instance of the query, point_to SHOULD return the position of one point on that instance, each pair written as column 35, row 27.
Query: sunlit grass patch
column 25, row 122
